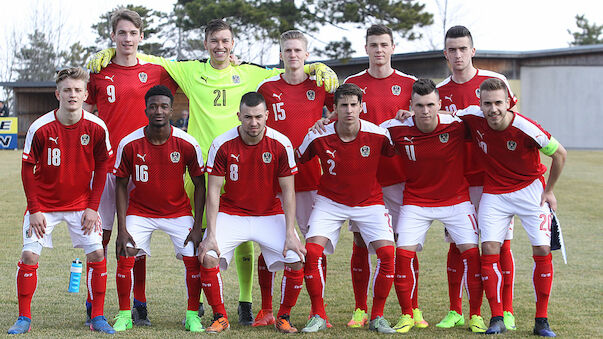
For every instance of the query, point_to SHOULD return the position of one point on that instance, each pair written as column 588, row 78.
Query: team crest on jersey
column 511, row 145
column 85, row 139
column 175, row 157
column 143, row 77
column 396, row 90
column 311, row 95
column 236, row 79
column 365, row 151
column 477, row 93
column 444, row 138
column 267, row 157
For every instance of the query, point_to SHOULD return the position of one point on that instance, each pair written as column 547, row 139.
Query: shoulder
column 444, row 82
column 223, row 138
column 130, row 138
column 94, row 119
column 270, row 81
column 392, row 123
column 490, row 74
column 471, row 111
column 180, row 134
column 369, row 127
column 312, row 136
column 353, row 77
column 41, row 122
column 405, row 76
column 530, row 127
column 448, row 119
column 278, row 136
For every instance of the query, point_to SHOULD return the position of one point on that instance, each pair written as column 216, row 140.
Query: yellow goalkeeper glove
column 324, row 76
column 100, row 60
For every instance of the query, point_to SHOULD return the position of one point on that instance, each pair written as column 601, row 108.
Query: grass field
column 574, row 311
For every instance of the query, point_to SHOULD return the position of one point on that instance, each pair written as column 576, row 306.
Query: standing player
column 118, row 92
column 214, row 89
column 514, row 185
column 432, row 145
column 295, row 103
column 349, row 152
column 254, row 160
column 459, row 91
column 64, row 165
column 155, row 158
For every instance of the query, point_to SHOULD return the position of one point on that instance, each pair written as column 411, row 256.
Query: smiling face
column 495, row 106
column 159, row 110
column 219, row 44
column 71, row 94
column 379, row 49
column 459, row 53
column 126, row 37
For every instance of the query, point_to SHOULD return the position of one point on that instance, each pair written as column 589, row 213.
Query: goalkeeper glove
column 100, row 60
column 324, row 76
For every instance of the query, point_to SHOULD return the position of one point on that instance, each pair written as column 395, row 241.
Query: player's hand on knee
column 37, row 224
column 121, row 243
column 208, row 244
column 292, row 243
column 549, row 197
column 90, row 220
column 195, row 236
column 100, row 60
column 403, row 114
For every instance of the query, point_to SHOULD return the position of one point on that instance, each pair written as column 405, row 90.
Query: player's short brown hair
column 126, row 14
column 347, row 90
column 294, row 35
column 216, row 25
column 458, row 32
column 252, row 99
column 77, row 73
column 492, row 84
column 423, row 87
column 379, row 30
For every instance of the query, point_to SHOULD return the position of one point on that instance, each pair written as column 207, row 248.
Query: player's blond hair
column 126, row 14
column 294, row 35
column 76, row 73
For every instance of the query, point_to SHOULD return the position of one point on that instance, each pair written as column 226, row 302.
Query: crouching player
column 64, row 151
column 253, row 159
column 349, row 153
column 432, row 148
column 514, row 185
column 155, row 158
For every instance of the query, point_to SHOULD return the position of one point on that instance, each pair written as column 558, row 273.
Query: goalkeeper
column 214, row 89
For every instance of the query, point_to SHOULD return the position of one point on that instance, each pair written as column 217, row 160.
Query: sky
column 509, row 25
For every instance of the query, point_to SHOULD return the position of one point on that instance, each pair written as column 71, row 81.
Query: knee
column 490, row 247
column 296, row 266
column 541, row 250
column 358, row 240
column 210, row 261
column 29, row 258
column 95, row 256
column 464, row 247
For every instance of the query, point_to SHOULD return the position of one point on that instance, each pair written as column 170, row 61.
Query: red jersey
column 512, row 155
column 381, row 101
column 65, row 158
column 349, row 168
column 433, row 162
column 457, row 96
column 293, row 110
column 157, row 172
column 118, row 93
column 251, row 171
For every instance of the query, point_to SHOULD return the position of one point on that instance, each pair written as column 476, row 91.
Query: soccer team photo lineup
column 294, row 161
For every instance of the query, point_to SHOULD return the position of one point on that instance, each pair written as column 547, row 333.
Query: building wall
column 566, row 101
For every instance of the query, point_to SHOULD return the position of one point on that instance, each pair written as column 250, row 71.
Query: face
column 126, row 38
column 348, row 109
column 495, row 106
column 159, row 110
column 219, row 44
column 71, row 94
column 294, row 54
column 253, row 119
column 379, row 49
column 458, row 52
column 426, row 109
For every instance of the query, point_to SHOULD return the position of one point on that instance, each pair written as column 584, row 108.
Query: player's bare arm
column 121, row 202
column 196, row 234
column 292, row 242
column 556, row 167
column 212, row 204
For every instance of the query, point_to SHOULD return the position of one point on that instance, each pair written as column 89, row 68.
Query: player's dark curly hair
column 252, row 99
column 458, row 32
column 424, row 87
column 347, row 90
column 159, row 90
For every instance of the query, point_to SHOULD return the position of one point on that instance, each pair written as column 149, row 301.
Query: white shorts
column 459, row 220
column 392, row 197
column 268, row 231
column 475, row 195
column 141, row 229
column 74, row 225
column 496, row 211
column 107, row 208
column 304, row 201
column 373, row 222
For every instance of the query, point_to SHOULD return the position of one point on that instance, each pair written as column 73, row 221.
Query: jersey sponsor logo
column 236, row 157
column 396, row 90
column 310, row 95
column 277, row 96
column 446, row 97
column 408, row 139
column 110, row 77
column 142, row 156
column 236, row 79
column 365, row 151
column 477, row 93
column 331, row 153
column 444, row 137
column 143, row 77
column 85, row 139
column 56, row 140
column 511, row 145
column 175, row 157
column 267, row 157
column 364, row 90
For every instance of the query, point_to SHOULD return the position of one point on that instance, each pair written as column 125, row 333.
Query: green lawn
column 574, row 309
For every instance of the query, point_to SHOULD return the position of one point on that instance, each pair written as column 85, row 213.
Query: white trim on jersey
column 402, row 74
column 531, row 130
column 444, row 82
column 33, row 128
column 180, row 134
column 486, row 73
column 283, row 140
column 471, row 110
column 271, row 79
column 137, row 134
column 220, row 140
column 355, row 75
column 91, row 117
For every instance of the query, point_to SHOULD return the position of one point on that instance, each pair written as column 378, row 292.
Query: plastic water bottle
column 75, row 277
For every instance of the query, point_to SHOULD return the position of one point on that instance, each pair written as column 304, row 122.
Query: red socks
column 405, row 279
column 492, row 282
column 507, row 266
column 313, row 275
column 97, row 285
column 361, row 274
column 415, row 292
column 193, row 281
column 454, row 269
column 473, row 279
column 265, row 280
column 543, row 280
column 27, row 280
column 292, row 284
column 384, row 278
column 140, row 276
column 123, row 280
column 211, row 281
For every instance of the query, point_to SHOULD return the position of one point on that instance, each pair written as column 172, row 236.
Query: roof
column 29, row 84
